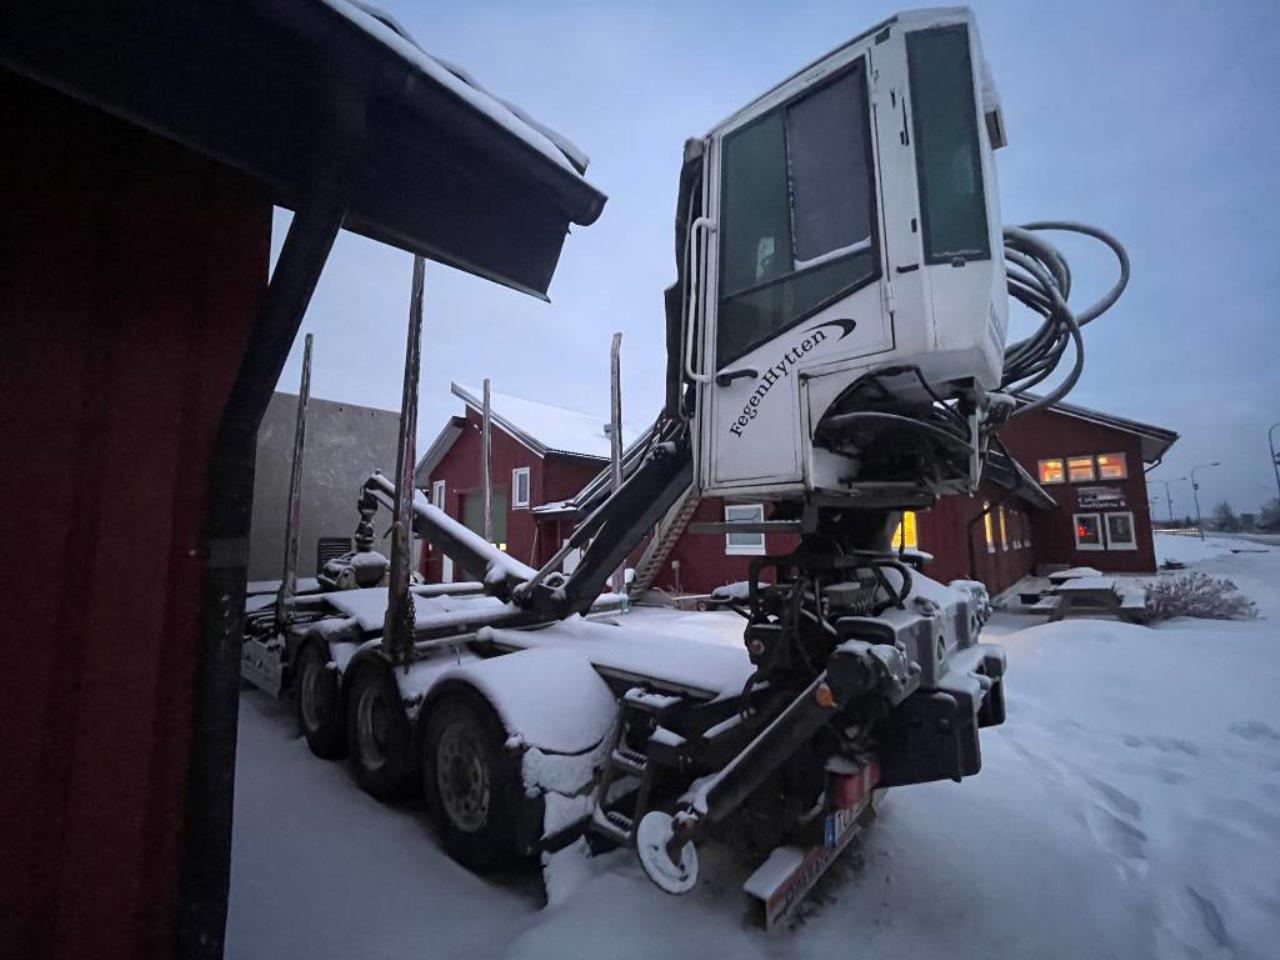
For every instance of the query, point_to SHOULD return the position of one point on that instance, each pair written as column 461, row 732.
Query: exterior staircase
column 664, row 540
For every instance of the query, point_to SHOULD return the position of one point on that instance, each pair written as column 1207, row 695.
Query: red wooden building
column 146, row 143
column 1075, row 497
column 541, row 455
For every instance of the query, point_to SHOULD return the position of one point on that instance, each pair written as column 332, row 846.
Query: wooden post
column 486, row 465
column 398, row 628
column 293, row 519
column 615, row 437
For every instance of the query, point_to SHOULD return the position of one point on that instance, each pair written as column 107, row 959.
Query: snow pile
column 1127, row 808
column 1190, row 549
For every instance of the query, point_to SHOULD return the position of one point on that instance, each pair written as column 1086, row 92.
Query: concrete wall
column 345, row 443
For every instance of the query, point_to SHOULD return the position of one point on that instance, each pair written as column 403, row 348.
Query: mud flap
column 933, row 735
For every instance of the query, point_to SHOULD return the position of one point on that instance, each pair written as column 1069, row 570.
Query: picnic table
column 1090, row 595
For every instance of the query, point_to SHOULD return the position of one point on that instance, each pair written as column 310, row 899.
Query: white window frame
column 1102, row 531
column 756, row 549
column 516, row 502
column 1124, row 466
column 1133, row 529
column 438, row 490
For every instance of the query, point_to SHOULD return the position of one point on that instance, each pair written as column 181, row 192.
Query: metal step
column 628, row 761
column 669, row 532
column 614, row 825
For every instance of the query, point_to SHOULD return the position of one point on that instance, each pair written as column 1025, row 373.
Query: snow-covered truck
column 837, row 349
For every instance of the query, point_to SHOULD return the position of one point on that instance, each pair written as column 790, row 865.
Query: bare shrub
column 1197, row 595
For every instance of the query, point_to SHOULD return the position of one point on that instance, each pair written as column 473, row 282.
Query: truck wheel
column 471, row 782
column 320, row 703
column 378, row 733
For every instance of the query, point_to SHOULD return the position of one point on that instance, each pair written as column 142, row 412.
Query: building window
column 1088, row 531
column 1120, row 535
column 1004, row 530
column 1111, row 466
column 744, row 544
column 520, row 488
column 1080, row 469
column 1052, row 471
column 437, row 494
column 905, row 536
column 986, row 527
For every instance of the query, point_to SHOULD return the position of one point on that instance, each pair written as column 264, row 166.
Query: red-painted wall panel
column 556, row 477
column 1051, row 435
column 130, row 272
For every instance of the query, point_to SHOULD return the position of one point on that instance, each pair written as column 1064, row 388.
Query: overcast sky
column 1156, row 121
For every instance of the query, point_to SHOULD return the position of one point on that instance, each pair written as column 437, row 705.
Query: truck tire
column 320, row 703
column 472, row 784
column 378, row 732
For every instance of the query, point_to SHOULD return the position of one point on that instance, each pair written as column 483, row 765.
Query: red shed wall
column 946, row 530
column 704, row 565
column 1050, row 435
column 131, row 272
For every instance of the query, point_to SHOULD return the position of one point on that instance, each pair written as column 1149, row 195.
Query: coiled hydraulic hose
column 1040, row 277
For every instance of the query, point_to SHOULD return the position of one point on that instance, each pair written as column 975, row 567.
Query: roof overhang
column 1155, row 441
column 1008, row 473
column 444, row 170
column 435, row 453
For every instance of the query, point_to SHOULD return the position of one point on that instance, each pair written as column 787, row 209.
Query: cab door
column 792, row 268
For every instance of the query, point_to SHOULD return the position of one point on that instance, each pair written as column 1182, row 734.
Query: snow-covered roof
column 1155, row 440
column 328, row 95
column 546, row 428
column 382, row 26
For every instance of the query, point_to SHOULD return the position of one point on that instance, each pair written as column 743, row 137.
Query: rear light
column 846, row 790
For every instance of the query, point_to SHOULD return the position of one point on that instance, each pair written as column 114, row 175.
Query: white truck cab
column 851, row 223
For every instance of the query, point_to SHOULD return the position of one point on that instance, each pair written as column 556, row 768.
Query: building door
column 473, row 514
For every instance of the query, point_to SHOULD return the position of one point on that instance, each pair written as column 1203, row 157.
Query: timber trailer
column 836, row 343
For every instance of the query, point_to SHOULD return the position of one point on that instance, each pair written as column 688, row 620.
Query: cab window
column 796, row 213
column 944, row 120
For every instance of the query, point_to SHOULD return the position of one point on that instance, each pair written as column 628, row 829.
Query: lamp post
column 1195, row 487
column 1275, row 457
column 1168, row 497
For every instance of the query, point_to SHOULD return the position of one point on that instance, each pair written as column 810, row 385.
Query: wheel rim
column 373, row 728
column 462, row 778
column 310, row 695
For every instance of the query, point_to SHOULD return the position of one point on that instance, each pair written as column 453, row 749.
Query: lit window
column 1080, row 469
column 1120, row 534
column 1111, row 466
column 1088, row 531
column 744, row 544
column 904, row 535
column 1052, row 471
column 986, row 527
column 519, row 488
column 437, row 494
column 1004, row 530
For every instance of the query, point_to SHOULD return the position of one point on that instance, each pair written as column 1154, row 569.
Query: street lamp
column 1275, row 457
column 1194, row 492
column 1168, row 497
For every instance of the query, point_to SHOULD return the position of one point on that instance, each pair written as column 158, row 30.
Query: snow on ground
column 1129, row 807
column 1191, row 549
